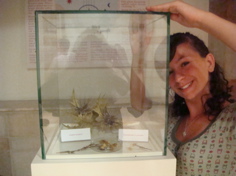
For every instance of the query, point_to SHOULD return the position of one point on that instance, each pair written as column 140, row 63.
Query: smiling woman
column 202, row 109
column 201, row 127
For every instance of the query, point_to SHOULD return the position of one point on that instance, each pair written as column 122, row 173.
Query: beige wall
column 17, row 82
column 19, row 137
column 224, row 56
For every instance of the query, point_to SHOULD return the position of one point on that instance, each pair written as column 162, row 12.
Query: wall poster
column 33, row 5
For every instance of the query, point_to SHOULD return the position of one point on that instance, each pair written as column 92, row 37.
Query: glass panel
column 102, row 83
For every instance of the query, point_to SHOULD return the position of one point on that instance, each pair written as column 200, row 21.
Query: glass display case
column 102, row 83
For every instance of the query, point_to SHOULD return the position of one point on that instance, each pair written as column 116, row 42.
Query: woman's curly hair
column 219, row 88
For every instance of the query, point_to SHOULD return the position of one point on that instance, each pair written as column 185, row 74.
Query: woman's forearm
column 219, row 28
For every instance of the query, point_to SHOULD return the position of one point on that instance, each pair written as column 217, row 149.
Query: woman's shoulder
column 231, row 107
column 228, row 113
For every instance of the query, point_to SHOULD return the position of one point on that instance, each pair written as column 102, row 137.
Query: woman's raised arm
column 190, row 16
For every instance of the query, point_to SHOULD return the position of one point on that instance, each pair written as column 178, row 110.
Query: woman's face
column 189, row 72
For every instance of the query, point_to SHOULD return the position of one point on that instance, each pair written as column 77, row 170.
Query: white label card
column 75, row 134
column 133, row 135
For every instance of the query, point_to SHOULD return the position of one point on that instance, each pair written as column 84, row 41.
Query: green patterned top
column 211, row 153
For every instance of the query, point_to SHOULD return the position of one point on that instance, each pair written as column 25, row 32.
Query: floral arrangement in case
column 93, row 115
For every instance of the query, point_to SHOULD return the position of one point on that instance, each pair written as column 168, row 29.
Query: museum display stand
column 150, row 166
column 102, row 93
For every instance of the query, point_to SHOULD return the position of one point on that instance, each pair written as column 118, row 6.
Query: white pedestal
column 143, row 166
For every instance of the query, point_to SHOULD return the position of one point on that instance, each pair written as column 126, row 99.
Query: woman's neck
column 195, row 108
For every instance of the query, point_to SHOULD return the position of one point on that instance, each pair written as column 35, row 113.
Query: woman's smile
column 185, row 86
